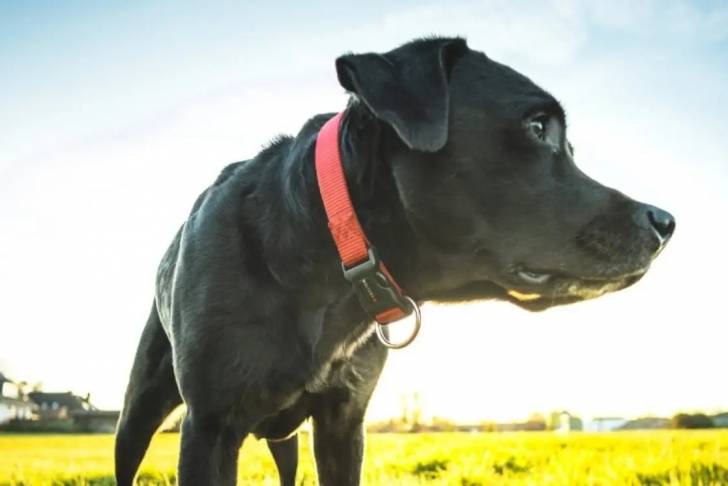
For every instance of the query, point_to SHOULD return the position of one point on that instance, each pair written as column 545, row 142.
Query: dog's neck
column 366, row 144
column 299, row 209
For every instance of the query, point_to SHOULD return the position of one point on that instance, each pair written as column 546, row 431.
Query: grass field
column 627, row 458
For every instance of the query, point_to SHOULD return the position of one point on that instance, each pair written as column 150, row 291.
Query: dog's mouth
column 537, row 290
column 533, row 278
column 540, row 289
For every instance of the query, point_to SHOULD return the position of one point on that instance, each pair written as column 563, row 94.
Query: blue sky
column 115, row 115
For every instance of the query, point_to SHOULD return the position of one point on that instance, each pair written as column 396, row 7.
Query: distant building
column 52, row 411
column 13, row 405
column 58, row 406
column 564, row 422
column 647, row 423
column 605, row 424
column 720, row 420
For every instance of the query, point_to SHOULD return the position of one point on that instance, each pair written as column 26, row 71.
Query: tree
column 692, row 421
column 536, row 421
column 411, row 410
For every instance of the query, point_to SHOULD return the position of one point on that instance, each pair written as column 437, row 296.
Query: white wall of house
column 9, row 389
column 9, row 411
column 604, row 424
column 6, row 413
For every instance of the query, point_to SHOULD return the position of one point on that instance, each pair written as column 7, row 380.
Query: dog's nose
column 662, row 222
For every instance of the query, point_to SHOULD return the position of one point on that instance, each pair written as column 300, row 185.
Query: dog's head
column 486, row 175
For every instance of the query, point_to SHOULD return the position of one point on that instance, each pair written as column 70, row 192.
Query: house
column 720, row 420
column 79, row 410
column 13, row 405
column 647, row 423
column 59, row 406
column 605, row 424
column 564, row 422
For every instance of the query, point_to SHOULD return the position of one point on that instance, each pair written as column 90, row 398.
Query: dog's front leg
column 285, row 454
column 209, row 452
column 338, row 442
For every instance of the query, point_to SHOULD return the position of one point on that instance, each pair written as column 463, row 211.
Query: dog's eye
column 537, row 126
column 546, row 129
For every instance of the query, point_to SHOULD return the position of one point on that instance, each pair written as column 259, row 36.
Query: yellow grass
column 627, row 458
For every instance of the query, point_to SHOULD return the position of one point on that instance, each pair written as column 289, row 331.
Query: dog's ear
column 407, row 88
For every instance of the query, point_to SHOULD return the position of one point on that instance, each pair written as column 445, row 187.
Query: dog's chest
column 342, row 368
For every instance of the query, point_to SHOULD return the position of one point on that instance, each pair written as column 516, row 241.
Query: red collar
column 378, row 293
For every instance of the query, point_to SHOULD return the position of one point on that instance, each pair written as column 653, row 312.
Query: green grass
column 629, row 458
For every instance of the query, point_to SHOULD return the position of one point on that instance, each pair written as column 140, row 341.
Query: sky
column 114, row 116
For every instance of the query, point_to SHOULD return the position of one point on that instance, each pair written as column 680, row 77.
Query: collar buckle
column 377, row 293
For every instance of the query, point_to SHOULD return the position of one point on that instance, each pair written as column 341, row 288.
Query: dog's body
column 462, row 177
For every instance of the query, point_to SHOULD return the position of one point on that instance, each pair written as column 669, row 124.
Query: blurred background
column 114, row 116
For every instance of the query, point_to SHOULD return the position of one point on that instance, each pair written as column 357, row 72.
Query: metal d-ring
column 418, row 323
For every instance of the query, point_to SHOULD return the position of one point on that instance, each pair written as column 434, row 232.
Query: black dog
column 463, row 178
